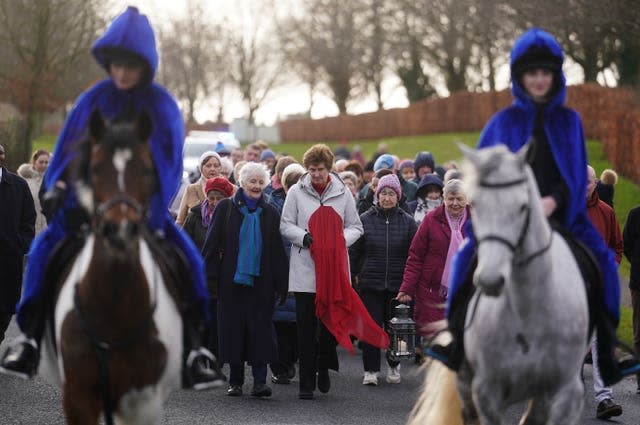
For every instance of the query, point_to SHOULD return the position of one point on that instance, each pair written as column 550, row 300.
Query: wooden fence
column 609, row 115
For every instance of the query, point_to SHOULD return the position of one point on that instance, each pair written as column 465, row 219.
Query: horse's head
column 498, row 188
column 118, row 178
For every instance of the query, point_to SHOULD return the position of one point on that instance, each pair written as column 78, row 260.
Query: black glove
column 53, row 200
column 307, row 240
column 282, row 298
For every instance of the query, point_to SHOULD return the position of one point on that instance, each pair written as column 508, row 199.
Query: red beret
column 219, row 184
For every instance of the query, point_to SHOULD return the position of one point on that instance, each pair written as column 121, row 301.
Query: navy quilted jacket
column 379, row 256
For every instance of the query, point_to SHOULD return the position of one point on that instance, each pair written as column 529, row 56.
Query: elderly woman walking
column 320, row 219
column 246, row 263
column 378, row 259
column 210, row 166
column 426, row 275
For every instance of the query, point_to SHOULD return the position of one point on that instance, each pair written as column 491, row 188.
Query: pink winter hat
column 391, row 181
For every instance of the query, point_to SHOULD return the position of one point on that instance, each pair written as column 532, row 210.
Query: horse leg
column 469, row 413
column 567, row 404
column 489, row 400
column 537, row 412
column 80, row 406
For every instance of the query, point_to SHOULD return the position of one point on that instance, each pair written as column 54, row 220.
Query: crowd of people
column 258, row 224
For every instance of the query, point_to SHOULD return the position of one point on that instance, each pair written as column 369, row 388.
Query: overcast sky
column 294, row 98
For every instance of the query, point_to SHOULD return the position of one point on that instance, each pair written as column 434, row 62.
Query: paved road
column 348, row 402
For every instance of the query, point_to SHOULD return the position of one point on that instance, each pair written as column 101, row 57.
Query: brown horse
column 114, row 341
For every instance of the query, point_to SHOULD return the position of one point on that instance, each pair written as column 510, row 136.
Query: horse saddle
column 590, row 270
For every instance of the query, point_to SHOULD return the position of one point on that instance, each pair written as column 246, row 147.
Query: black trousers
column 379, row 305
column 316, row 345
column 236, row 373
column 5, row 319
column 287, row 335
column 211, row 331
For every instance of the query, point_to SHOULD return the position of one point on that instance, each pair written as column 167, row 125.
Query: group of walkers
column 289, row 259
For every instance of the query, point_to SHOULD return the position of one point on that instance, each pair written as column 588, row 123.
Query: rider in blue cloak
column 127, row 51
column 559, row 162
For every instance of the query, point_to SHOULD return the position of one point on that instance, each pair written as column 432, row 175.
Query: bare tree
column 44, row 55
column 407, row 50
column 255, row 63
column 190, row 50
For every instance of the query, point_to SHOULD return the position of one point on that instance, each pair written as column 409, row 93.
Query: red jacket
column 605, row 221
column 424, row 268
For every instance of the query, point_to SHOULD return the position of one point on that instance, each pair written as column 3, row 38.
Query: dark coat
column 193, row 226
column 17, row 230
column 631, row 237
column 245, row 329
column 379, row 256
column 424, row 268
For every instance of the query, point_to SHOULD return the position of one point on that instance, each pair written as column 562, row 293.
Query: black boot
column 21, row 359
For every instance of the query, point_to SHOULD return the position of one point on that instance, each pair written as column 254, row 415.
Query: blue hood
column 537, row 38
column 130, row 31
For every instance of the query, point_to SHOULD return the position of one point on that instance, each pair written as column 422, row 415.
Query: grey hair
column 226, row 166
column 350, row 175
column 453, row 186
column 251, row 169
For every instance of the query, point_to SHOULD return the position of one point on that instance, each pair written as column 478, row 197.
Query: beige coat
column 193, row 195
column 34, row 179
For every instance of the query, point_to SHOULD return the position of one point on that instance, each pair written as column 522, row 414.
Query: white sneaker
column 393, row 375
column 370, row 378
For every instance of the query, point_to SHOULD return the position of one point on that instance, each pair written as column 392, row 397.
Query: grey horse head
column 497, row 186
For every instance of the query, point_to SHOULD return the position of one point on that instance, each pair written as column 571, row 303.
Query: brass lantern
column 402, row 332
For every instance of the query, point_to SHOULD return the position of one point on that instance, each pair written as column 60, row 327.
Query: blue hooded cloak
column 130, row 31
column 513, row 127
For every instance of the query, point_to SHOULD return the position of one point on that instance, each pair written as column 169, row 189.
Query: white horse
column 527, row 325
column 114, row 341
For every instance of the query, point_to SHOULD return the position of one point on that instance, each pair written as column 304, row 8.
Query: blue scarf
column 250, row 246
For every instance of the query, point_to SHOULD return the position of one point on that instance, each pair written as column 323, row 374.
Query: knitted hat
column 206, row 156
column 536, row 57
column 219, row 184
column 383, row 161
column 407, row 163
column 267, row 153
column 391, row 181
column 221, row 149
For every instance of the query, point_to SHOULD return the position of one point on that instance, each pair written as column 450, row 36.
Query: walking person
column 196, row 226
column 426, row 274
column 17, row 230
column 631, row 241
column 559, row 164
column 33, row 173
column 605, row 222
column 247, row 267
column 127, row 52
column 378, row 259
column 319, row 217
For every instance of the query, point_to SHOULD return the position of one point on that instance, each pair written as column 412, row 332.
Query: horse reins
column 103, row 348
column 515, row 247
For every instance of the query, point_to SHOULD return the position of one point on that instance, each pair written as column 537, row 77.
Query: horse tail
column 438, row 403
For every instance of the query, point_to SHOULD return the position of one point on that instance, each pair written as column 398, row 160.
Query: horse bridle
column 121, row 198
column 514, row 247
